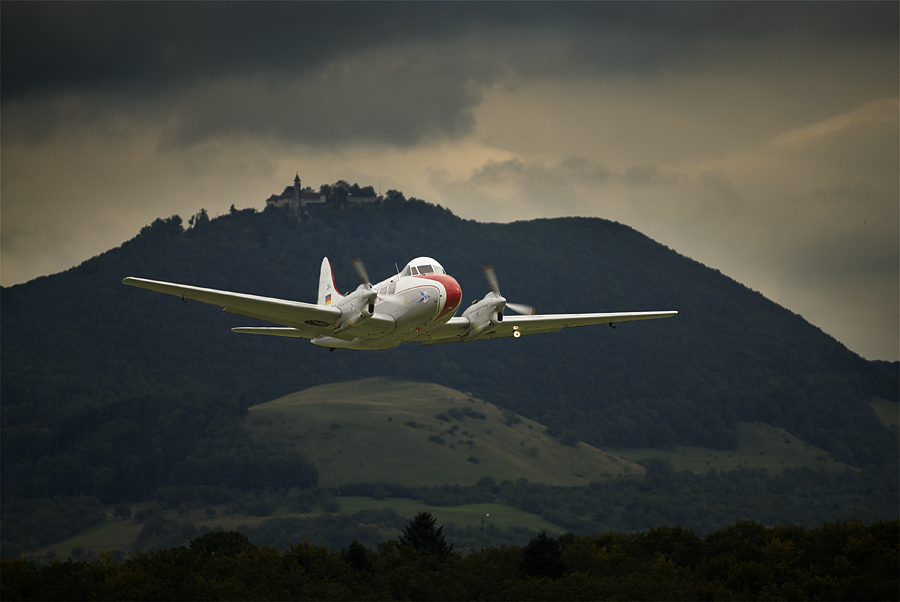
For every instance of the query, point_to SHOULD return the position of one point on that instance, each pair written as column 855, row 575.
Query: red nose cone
column 454, row 293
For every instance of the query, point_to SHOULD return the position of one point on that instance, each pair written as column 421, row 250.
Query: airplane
column 417, row 304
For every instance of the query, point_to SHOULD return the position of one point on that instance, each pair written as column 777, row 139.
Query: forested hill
column 95, row 374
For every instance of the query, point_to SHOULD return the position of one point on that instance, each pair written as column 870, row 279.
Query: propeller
column 495, row 287
column 368, row 294
column 361, row 273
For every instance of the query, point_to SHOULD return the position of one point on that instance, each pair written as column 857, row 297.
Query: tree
column 220, row 543
column 421, row 535
column 542, row 557
column 122, row 511
column 570, row 437
column 660, row 472
column 357, row 556
column 510, row 418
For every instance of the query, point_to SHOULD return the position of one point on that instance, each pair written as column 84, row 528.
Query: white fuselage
column 407, row 304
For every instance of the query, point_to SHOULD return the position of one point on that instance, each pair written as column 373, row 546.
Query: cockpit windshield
column 422, row 265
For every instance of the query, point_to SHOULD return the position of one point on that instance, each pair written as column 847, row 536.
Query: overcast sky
column 760, row 139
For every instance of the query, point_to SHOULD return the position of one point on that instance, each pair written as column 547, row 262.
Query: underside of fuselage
column 418, row 305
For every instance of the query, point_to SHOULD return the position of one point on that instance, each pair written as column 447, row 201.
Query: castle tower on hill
column 295, row 198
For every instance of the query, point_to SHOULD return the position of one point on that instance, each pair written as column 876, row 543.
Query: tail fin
column 328, row 293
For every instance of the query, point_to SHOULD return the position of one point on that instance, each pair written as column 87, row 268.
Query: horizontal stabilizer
column 273, row 331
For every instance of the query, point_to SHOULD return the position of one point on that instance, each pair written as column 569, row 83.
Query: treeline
column 746, row 561
column 702, row 503
column 664, row 496
column 127, row 448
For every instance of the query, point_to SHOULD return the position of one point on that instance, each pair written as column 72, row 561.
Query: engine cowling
column 483, row 316
column 356, row 309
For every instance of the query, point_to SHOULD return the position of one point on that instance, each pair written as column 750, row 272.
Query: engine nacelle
column 356, row 309
column 483, row 315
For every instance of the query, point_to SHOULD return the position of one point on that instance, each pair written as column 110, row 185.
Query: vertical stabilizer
column 328, row 294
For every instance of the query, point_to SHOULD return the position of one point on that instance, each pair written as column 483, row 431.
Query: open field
column 120, row 534
column 759, row 446
column 465, row 515
column 379, row 430
column 109, row 534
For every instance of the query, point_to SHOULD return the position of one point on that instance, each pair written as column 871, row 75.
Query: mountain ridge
column 84, row 358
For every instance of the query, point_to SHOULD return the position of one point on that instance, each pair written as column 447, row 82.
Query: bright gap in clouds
column 806, row 215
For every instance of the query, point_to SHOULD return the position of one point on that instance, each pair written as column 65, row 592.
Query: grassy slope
column 759, row 446
column 368, row 448
column 357, row 432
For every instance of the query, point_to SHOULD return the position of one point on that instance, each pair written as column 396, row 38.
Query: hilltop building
column 295, row 198
column 297, row 201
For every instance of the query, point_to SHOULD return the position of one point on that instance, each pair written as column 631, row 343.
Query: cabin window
column 391, row 289
column 405, row 272
column 425, row 269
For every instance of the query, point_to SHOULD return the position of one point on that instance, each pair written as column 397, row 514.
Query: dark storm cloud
column 50, row 46
column 395, row 73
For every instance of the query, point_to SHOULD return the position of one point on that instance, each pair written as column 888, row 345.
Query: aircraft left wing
column 305, row 320
column 455, row 328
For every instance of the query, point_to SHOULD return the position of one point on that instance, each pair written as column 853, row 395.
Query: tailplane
column 328, row 293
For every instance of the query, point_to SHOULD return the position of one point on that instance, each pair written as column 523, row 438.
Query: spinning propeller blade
column 495, row 286
column 492, row 280
column 361, row 272
column 522, row 309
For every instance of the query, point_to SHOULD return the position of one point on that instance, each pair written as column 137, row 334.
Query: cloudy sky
column 760, row 139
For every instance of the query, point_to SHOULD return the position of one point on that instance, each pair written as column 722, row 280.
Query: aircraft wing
column 457, row 327
column 305, row 320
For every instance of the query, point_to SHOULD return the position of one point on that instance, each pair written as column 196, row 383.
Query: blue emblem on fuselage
column 425, row 297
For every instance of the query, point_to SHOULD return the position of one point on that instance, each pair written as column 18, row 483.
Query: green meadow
column 464, row 515
column 422, row 434
column 759, row 446
column 120, row 534
column 381, row 430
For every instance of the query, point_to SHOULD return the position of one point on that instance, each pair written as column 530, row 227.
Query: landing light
column 517, row 334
